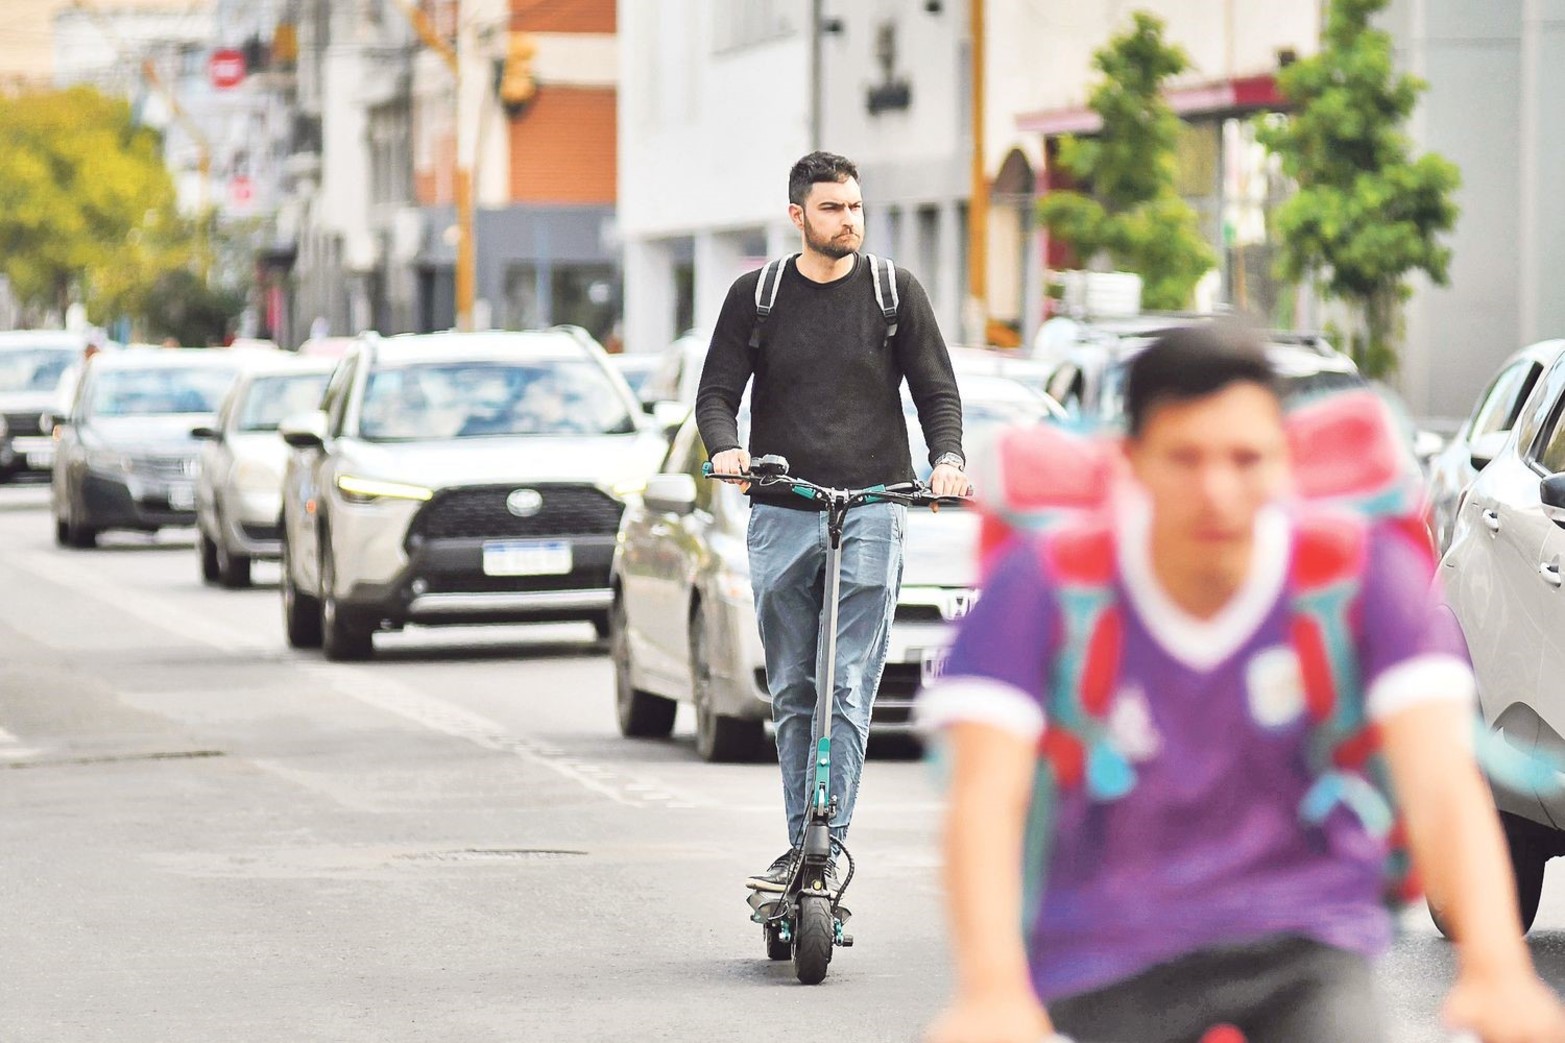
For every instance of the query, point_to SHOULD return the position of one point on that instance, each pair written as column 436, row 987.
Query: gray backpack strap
column 766, row 288
column 884, row 275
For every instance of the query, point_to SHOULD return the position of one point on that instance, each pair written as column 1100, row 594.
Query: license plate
column 933, row 665
column 181, row 498
column 527, row 558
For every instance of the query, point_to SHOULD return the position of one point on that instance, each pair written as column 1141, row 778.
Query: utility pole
column 817, row 28
column 466, row 247
column 978, row 206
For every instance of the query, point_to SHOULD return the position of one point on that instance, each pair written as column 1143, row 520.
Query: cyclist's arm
column 989, row 714
column 925, row 362
column 1420, row 692
column 729, row 365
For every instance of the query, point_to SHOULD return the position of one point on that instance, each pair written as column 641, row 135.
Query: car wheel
column 344, row 636
column 719, row 737
column 233, row 570
column 642, row 715
column 1528, row 855
column 78, row 534
column 208, row 550
column 301, row 613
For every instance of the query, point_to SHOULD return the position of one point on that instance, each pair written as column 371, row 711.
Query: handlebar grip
column 706, row 469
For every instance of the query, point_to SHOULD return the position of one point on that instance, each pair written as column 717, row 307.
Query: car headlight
column 628, row 487
column 254, row 476
column 107, row 461
column 368, row 490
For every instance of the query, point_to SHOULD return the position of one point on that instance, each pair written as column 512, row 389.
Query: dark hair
column 1191, row 362
column 815, row 168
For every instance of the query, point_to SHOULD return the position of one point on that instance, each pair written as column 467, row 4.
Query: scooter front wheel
column 813, row 936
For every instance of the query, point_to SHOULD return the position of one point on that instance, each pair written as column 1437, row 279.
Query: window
column 443, row 400
column 272, row 400
column 1549, row 450
column 159, row 391
column 745, row 23
column 1498, row 408
column 335, row 402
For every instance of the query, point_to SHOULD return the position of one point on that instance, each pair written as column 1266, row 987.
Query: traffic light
column 517, row 86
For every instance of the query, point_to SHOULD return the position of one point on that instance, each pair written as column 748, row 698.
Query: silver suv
column 459, row 478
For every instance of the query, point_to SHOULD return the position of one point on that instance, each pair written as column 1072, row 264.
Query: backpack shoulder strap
column 766, row 288
column 884, row 275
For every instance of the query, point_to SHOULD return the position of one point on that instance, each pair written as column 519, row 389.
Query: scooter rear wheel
column 812, row 939
column 776, row 947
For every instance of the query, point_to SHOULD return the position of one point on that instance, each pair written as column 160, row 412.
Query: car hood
column 940, row 550
column 602, row 459
column 160, row 432
column 28, row 401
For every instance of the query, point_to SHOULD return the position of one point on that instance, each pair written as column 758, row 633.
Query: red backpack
column 1351, row 475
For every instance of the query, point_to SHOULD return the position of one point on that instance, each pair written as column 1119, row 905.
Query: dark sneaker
column 777, row 876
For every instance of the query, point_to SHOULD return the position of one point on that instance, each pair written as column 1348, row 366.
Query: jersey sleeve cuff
column 979, row 700
column 1434, row 678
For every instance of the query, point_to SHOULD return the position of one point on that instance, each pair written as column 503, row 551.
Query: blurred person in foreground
column 1186, row 898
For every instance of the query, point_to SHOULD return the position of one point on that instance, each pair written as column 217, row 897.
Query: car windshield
column 271, row 400
column 34, row 369
column 478, row 399
column 636, row 369
column 158, row 390
column 982, row 417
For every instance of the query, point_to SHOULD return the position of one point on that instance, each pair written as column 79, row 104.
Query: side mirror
column 1552, row 492
column 206, row 434
column 670, row 493
column 1427, row 445
column 304, row 431
column 1483, row 449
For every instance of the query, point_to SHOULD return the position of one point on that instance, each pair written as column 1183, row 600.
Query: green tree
column 87, row 208
column 1132, row 213
column 1366, row 213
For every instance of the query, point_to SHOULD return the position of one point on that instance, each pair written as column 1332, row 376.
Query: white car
column 1480, row 437
column 239, row 490
column 1502, row 577
column 458, row 478
column 682, row 627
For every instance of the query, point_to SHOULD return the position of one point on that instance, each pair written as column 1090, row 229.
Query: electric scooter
column 808, row 919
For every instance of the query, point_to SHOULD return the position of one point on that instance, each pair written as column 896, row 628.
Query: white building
column 1494, row 71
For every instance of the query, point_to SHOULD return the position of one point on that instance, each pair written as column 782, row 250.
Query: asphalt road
column 205, row 836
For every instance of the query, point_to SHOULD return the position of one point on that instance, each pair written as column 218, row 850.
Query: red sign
column 226, row 68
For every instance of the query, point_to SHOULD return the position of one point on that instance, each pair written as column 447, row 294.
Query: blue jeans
column 788, row 573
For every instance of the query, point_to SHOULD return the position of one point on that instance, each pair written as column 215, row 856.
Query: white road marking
column 373, row 688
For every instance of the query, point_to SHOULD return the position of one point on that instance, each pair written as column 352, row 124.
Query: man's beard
column 835, row 248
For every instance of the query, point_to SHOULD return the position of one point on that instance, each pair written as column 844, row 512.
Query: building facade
column 1492, row 68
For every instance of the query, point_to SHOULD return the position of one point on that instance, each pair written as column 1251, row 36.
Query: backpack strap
column 884, row 275
column 1076, row 742
column 766, row 288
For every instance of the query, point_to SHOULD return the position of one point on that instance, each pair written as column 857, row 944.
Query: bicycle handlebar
column 769, row 471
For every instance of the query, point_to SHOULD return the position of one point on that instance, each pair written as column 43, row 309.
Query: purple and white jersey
column 1208, row 848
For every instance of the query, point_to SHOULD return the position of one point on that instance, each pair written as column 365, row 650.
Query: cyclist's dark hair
column 816, row 168
column 1191, row 362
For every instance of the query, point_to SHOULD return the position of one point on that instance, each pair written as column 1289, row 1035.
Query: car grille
column 918, row 614
column 474, row 581
column 167, row 468
column 26, row 425
column 480, row 513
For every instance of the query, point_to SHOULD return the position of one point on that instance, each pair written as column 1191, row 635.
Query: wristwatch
column 951, row 460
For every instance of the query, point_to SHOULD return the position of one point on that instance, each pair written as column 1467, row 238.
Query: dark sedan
column 126, row 457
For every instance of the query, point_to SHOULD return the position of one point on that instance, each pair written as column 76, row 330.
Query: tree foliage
column 1366, row 213
column 1132, row 212
column 87, row 207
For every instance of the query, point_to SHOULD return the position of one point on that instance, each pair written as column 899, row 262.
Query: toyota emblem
column 958, row 603
column 524, row 503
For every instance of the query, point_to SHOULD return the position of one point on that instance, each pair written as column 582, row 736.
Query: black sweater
column 827, row 387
